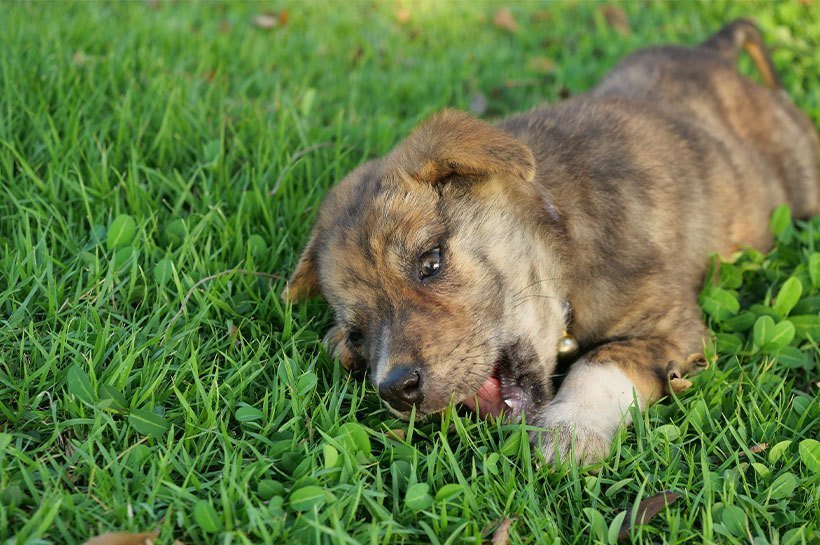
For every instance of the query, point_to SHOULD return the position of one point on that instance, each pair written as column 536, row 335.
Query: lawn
column 160, row 166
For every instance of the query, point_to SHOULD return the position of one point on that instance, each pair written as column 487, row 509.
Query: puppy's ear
column 452, row 143
column 304, row 282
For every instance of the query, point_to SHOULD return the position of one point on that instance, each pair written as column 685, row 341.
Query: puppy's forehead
column 372, row 228
column 371, row 197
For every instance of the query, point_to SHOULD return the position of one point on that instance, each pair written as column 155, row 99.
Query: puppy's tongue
column 488, row 399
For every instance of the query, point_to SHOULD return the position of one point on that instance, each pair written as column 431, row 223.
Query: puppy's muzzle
column 402, row 387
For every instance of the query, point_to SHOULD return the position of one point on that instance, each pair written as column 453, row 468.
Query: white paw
column 580, row 422
column 569, row 441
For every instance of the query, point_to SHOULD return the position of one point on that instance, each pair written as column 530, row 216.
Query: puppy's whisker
column 517, row 303
column 537, row 282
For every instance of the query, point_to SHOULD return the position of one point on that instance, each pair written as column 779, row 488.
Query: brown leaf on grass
column 403, row 16
column 478, row 103
column 267, row 21
column 647, row 509
column 501, row 536
column 755, row 449
column 677, row 383
column 616, row 18
column 542, row 65
column 680, row 384
column 758, row 448
column 504, row 20
column 397, row 435
column 123, row 538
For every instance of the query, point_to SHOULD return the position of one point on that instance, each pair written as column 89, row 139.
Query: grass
column 145, row 147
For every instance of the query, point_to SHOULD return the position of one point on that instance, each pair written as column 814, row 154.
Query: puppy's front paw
column 580, row 422
column 567, row 440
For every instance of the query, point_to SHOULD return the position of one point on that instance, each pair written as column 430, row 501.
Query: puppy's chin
column 421, row 414
column 404, row 415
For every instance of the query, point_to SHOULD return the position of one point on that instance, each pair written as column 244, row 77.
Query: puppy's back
column 703, row 83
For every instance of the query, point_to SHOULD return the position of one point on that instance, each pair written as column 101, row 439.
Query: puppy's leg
column 597, row 393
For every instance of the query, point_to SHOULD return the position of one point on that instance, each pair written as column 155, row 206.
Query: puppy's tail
column 744, row 34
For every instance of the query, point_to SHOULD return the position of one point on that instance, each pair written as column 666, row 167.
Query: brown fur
column 610, row 201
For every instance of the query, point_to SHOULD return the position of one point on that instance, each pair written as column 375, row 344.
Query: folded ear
column 304, row 282
column 453, row 143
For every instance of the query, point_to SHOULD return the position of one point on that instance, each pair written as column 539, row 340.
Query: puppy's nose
column 401, row 388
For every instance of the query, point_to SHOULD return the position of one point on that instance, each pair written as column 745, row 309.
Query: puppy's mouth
column 501, row 393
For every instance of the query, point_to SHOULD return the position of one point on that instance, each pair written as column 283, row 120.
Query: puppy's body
column 454, row 264
column 675, row 155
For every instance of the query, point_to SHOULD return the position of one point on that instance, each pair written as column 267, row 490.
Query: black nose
column 401, row 388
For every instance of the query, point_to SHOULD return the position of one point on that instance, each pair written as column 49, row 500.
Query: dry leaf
column 647, row 509
column 265, row 21
column 478, row 103
column 542, row 65
column 123, row 538
column 755, row 449
column 402, row 16
column 758, row 448
column 397, row 435
column 679, row 385
column 504, row 20
column 501, row 536
column 616, row 18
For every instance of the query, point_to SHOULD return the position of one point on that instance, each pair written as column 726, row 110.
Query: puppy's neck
column 538, row 304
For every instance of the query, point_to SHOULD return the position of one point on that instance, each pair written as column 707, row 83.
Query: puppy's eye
column 430, row 263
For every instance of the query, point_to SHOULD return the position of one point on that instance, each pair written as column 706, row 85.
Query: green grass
column 230, row 424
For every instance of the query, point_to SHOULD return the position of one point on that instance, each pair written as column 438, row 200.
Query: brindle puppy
column 455, row 264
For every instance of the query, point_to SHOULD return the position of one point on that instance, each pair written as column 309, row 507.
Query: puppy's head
column 433, row 262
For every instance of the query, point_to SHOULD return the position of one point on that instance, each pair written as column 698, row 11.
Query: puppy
column 458, row 265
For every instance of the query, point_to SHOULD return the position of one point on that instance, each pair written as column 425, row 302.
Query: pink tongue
column 489, row 399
